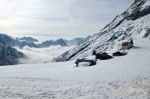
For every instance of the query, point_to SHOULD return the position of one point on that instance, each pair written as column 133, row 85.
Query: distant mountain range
column 15, row 41
column 10, row 56
column 75, row 41
column 29, row 41
column 48, row 43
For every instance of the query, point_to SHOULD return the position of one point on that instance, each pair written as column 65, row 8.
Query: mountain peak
column 28, row 39
column 139, row 9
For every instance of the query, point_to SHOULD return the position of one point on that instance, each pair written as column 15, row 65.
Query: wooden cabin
column 119, row 54
column 127, row 45
column 92, row 60
column 102, row 56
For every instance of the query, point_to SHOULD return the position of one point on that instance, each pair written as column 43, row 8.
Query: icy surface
column 125, row 77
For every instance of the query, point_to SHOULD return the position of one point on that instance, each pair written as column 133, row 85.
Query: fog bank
column 41, row 55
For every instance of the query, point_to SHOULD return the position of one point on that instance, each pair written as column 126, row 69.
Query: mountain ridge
column 29, row 41
column 127, row 25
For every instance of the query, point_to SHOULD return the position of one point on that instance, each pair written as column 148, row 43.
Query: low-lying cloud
column 41, row 55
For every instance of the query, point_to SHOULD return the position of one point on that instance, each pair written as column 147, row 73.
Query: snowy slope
column 126, row 77
column 134, row 22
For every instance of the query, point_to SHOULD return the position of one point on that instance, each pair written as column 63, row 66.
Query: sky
column 53, row 19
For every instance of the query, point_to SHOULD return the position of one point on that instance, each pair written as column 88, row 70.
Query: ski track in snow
column 125, row 77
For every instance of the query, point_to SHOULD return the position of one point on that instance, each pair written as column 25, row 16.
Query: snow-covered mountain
column 75, row 41
column 48, row 43
column 15, row 41
column 28, row 39
column 9, row 40
column 9, row 55
column 132, row 23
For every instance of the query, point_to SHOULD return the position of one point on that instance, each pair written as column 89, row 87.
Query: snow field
column 125, row 77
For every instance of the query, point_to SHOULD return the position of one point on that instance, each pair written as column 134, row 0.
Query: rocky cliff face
column 9, row 55
column 132, row 23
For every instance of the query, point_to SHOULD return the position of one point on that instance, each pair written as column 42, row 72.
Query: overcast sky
column 46, row 19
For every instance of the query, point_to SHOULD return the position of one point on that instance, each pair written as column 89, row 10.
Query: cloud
column 41, row 55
